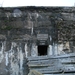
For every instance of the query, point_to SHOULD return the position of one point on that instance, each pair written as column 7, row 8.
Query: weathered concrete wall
column 13, row 60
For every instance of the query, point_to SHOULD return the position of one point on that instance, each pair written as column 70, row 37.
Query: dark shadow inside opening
column 42, row 50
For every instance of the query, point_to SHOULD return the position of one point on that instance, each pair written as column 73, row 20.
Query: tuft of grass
column 7, row 28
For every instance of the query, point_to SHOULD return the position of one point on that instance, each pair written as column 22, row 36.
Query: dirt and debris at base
column 33, row 72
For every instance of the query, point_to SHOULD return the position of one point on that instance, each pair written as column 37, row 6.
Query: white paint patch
column 56, row 49
column 32, row 29
column 49, row 51
column 26, row 52
column 1, row 51
column 6, row 57
column 1, row 54
column 21, row 59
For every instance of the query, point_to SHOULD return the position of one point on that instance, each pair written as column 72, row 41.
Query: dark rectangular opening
column 42, row 50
